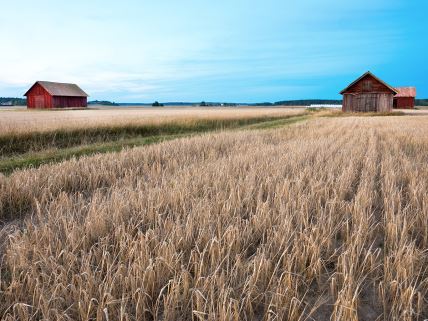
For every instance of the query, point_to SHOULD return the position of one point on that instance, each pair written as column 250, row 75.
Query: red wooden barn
column 46, row 94
column 368, row 94
column 405, row 99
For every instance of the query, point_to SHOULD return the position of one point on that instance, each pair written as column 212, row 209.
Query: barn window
column 367, row 85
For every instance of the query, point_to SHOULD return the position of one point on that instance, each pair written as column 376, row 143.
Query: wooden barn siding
column 38, row 97
column 367, row 102
column 404, row 102
column 347, row 102
column 375, row 86
column 63, row 102
column 368, row 95
column 385, row 102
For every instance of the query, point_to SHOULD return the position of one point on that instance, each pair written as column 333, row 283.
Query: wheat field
column 323, row 220
column 21, row 121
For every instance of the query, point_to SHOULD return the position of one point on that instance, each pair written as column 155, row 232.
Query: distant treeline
column 302, row 102
column 11, row 101
column 421, row 102
column 103, row 103
column 202, row 104
column 215, row 104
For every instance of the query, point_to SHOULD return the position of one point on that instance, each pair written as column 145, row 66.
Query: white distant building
column 325, row 106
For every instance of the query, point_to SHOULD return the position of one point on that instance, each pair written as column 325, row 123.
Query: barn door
column 366, row 102
column 371, row 102
column 39, row 101
column 360, row 104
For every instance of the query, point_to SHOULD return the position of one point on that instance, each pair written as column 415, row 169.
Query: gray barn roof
column 60, row 89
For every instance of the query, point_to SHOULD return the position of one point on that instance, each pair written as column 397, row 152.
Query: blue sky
column 223, row 50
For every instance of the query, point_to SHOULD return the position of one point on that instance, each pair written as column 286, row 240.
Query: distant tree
column 14, row 101
column 102, row 103
column 203, row 104
column 157, row 104
column 263, row 104
column 421, row 102
column 307, row 102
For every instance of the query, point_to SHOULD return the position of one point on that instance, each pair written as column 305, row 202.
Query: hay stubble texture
column 324, row 220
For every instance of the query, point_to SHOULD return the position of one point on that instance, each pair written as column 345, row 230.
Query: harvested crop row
column 21, row 122
column 326, row 219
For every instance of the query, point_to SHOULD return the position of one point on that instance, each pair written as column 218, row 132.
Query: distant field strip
column 26, row 149
column 30, row 121
column 323, row 220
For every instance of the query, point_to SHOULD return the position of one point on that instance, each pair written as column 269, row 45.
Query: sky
column 223, row 50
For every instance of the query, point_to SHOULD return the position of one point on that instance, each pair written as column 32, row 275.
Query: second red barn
column 46, row 94
column 405, row 98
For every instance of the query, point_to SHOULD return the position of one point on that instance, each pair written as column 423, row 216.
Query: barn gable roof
column 405, row 92
column 368, row 73
column 60, row 89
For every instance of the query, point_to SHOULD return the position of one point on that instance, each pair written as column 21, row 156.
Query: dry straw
column 325, row 220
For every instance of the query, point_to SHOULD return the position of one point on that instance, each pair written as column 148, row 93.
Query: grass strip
column 52, row 155
column 22, row 143
column 278, row 123
column 35, row 159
